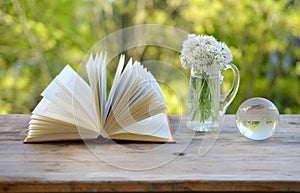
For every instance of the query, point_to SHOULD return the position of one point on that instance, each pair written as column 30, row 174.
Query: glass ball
column 257, row 118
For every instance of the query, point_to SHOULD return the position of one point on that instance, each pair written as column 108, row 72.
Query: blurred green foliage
column 38, row 37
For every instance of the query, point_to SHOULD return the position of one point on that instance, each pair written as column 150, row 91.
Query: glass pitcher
column 206, row 104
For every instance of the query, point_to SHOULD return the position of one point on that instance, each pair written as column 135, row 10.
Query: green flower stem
column 205, row 98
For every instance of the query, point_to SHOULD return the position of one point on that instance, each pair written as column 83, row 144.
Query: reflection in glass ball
column 257, row 118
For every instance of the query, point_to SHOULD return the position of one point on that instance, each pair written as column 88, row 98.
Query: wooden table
column 224, row 161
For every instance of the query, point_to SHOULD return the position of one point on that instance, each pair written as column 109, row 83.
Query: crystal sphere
column 257, row 118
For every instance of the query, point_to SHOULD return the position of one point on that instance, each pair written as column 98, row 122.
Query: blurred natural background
column 38, row 37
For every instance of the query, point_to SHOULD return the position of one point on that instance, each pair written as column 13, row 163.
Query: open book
column 72, row 109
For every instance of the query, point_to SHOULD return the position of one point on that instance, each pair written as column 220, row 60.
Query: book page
column 58, row 137
column 48, row 109
column 102, row 86
column 123, row 84
column 114, row 85
column 41, row 120
column 141, row 98
column 155, row 128
column 96, row 69
column 128, row 83
column 155, row 85
column 79, row 91
column 40, row 126
column 50, row 128
column 137, row 97
column 92, row 76
column 46, row 128
column 74, row 99
column 57, row 95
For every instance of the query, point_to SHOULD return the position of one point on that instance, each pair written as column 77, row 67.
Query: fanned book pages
column 72, row 109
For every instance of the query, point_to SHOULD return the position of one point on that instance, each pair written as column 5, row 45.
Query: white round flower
column 204, row 53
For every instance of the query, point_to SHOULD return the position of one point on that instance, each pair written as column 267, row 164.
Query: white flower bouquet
column 204, row 53
column 206, row 57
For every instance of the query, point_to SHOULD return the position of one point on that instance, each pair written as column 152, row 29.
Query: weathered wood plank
column 13, row 127
column 227, row 161
column 160, row 186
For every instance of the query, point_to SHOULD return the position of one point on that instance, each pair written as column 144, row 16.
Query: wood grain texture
column 219, row 161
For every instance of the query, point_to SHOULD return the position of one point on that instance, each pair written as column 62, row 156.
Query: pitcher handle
column 227, row 98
